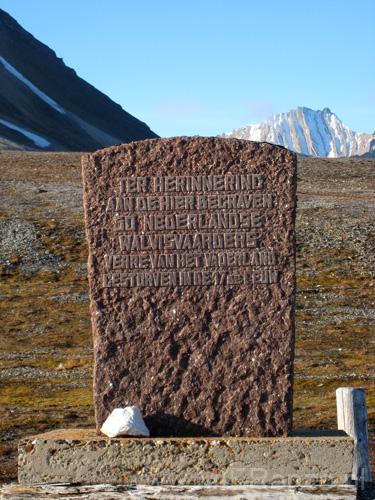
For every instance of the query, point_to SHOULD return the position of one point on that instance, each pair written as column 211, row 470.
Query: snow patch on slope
column 36, row 91
column 37, row 140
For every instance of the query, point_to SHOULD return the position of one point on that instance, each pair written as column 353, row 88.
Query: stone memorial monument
column 192, row 284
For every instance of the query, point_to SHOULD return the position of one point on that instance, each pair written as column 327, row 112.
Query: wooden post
column 352, row 418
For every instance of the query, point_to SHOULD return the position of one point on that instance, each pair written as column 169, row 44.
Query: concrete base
column 80, row 456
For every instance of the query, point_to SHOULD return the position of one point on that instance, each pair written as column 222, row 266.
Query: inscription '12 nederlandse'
column 210, row 238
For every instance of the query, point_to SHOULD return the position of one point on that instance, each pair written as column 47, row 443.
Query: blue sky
column 210, row 66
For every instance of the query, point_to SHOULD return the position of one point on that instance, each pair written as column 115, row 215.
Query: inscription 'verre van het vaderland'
column 192, row 284
column 209, row 239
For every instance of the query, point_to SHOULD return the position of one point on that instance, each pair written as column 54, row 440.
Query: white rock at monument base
column 125, row 422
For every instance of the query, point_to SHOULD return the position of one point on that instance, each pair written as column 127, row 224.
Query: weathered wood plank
column 142, row 492
column 352, row 418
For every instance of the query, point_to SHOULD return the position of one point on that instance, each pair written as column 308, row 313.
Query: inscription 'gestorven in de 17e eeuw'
column 186, row 230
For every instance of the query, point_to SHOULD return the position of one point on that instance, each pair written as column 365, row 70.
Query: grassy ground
column 45, row 339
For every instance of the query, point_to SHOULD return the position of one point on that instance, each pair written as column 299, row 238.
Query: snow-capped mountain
column 44, row 105
column 309, row 132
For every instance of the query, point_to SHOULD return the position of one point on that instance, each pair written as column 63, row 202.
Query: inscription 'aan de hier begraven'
column 211, row 238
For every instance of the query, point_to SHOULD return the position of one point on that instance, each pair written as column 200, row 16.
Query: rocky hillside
column 44, row 105
column 45, row 329
column 310, row 133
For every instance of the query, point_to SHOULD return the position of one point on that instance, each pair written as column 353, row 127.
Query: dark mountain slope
column 67, row 112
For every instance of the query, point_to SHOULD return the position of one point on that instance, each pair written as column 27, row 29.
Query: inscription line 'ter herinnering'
column 191, row 184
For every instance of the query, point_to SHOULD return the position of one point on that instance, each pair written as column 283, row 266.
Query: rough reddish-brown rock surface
column 213, row 357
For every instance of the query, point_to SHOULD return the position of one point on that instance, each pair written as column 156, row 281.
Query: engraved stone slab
column 192, row 284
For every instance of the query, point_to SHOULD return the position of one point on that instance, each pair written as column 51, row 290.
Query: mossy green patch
column 62, row 236
column 3, row 214
column 50, row 392
column 36, row 319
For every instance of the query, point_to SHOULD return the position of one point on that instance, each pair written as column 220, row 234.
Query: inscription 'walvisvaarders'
column 216, row 229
